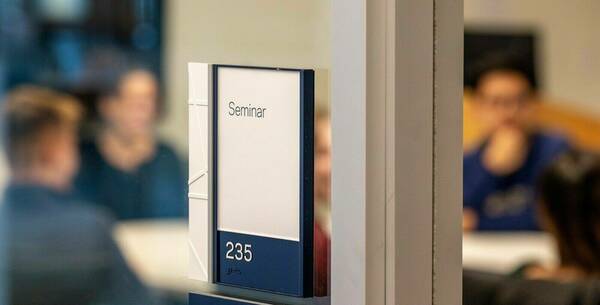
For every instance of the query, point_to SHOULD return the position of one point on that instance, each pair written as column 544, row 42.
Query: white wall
column 250, row 32
column 570, row 43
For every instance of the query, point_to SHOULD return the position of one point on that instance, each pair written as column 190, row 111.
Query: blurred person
column 569, row 206
column 322, row 228
column 323, row 170
column 59, row 250
column 3, row 172
column 125, row 167
column 499, row 175
column 481, row 288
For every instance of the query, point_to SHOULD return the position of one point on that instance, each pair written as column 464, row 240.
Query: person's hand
column 470, row 220
column 538, row 272
column 506, row 150
column 562, row 274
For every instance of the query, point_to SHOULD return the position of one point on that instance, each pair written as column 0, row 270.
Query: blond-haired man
column 59, row 250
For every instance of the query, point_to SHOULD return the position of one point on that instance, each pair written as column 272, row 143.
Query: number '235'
column 238, row 251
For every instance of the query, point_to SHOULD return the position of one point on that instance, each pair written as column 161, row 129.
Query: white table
column 158, row 252
column 504, row 252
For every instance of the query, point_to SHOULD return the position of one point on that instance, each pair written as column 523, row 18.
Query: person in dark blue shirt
column 499, row 176
column 57, row 249
column 125, row 168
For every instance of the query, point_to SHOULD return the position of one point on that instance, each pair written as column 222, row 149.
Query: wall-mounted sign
column 251, row 177
column 262, row 125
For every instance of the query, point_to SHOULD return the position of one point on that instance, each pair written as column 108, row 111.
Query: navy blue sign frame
column 281, row 266
column 201, row 299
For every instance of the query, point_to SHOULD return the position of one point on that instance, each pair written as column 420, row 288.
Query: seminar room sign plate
column 263, row 178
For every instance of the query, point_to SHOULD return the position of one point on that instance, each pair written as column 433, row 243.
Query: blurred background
column 559, row 42
column 75, row 45
column 531, row 127
column 126, row 63
column 531, row 97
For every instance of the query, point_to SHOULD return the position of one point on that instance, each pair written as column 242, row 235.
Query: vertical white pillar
column 396, row 105
column 348, row 120
column 448, row 152
column 411, row 240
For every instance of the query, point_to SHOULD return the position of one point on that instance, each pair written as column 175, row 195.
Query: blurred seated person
column 125, row 167
column 499, row 175
column 480, row 288
column 569, row 206
column 322, row 227
column 59, row 250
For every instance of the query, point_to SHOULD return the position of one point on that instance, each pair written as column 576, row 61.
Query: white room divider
column 397, row 156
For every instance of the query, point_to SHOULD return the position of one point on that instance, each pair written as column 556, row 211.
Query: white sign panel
column 251, row 177
column 258, row 187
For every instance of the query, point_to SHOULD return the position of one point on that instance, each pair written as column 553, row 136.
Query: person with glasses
column 499, row 175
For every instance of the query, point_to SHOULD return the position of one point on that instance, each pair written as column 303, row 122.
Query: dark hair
column 111, row 86
column 570, row 209
column 27, row 113
column 495, row 62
